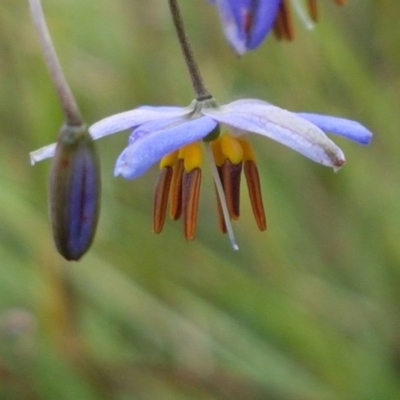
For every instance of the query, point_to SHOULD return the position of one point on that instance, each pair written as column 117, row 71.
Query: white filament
column 222, row 198
column 301, row 12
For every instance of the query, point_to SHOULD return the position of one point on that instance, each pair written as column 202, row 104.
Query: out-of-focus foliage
column 307, row 310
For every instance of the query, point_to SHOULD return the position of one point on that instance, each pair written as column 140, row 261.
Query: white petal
column 43, row 153
column 239, row 104
column 130, row 119
column 283, row 127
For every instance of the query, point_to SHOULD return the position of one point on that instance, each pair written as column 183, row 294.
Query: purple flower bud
column 74, row 192
column 246, row 23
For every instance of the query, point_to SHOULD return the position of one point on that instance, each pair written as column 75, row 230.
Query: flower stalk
column 199, row 86
column 67, row 100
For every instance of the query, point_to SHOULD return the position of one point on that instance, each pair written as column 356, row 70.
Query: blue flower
column 246, row 23
column 159, row 131
column 173, row 136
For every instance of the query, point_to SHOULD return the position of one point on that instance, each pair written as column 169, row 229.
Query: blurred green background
column 307, row 310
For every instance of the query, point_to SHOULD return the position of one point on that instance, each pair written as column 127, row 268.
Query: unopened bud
column 74, row 192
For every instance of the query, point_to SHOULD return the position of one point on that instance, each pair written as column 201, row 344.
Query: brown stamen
column 230, row 177
column 313, row 10
column 284, row 28
column 190, row 201
column 340, row 2
column 160, row 200
column 221, row 219
column 278, row 26
column 254, row 187
column 175, row 192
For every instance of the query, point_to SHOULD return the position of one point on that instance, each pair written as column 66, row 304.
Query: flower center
column 179, row 182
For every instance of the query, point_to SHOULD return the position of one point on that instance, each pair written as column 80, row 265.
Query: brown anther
column 175, row 192
column 230, row 178
column 312, row 9
column 284, row 28
column 340, row 2
column 221, row 219
column 230, row 175
column 160, row 199
column 254, row 187
column 190, row 200
column 278, row 26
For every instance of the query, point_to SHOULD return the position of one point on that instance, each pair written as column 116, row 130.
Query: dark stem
column 198, row 84
column 68, row 103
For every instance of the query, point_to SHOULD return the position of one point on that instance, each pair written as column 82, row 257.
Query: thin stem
column 222, row 198
column 199, row 87
column 68, row 103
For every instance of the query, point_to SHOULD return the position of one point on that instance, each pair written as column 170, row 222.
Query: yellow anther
column 248, row 153
column 192, row 156
column 181, row 152
column 169, row 160
column 219, row 157
column 231, row 148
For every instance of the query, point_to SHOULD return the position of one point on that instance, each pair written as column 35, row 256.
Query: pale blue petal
column 340, row 126
column 138, row 157
column 249, row 103
column 166, row 109
column 131, row 119
column 157, row 125
column 282, row 126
